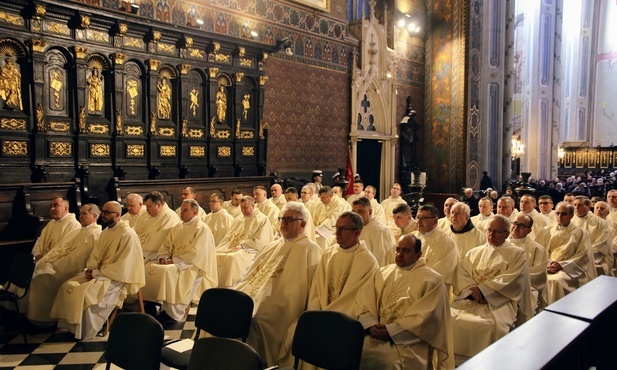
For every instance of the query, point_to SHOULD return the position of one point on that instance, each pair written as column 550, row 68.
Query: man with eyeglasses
column 232, row 206
column 247, row 235
column 378, row 238
column 492, row 285
column 391, row 202
column 219, row 220
column 343, row 268
column 153, row 231
column 190, row 193
column 358, row 191
column 438, row 249
column 186, row 265
column 537, row 257
column 291, row 195
column 279, row 282
column 570, row 256
column 465, row 235
column 545, row 203
column 444, row 222
column 306, row 196
column 62, row 224
column 395, row 307
column 599, row 234
column 136, row 211
column 114, row 270
column 325, row 215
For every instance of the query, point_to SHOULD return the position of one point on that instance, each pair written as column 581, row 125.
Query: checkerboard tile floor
column 60, row 350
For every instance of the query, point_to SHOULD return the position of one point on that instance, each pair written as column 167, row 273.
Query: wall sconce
column 561, row 153
column 517, row 149
column 405, row 21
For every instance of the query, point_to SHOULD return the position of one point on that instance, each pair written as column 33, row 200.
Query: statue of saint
column 246, row 104
column 194, row 101
column 95, row 92
column 164, row 106
column 40, row 121
column 221, row 104
column 10, row 85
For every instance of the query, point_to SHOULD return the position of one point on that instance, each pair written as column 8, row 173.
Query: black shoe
column 163, row 317
column 150, row 308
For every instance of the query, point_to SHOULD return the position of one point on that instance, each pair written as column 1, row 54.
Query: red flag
column 349, row 175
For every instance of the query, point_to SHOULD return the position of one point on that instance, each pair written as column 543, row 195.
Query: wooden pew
column 172, row 189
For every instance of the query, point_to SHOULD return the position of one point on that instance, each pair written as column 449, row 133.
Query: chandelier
column 517, row 149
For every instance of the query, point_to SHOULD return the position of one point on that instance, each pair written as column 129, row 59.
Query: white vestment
column 279, row 201
column 83, row 305
column 552, row 217
column 440, row 253
column 467, row 240
column 380, row 241
column 201, row 214
column 279, row 282
column 388, row 206
column 324, row 217
column 570, row 246
column 234, row 254
column 55, row 232
column 190, row 245
column 378, row 212
column 219, row 223
column 481, row 222
column 353, row 197
column 537, row 258
column 405, row 300
column 502, row 275
column 153, row 231
column 134, row 220
column 601, row 242
column 234, row 211
column 269, row 210
column 444, row 224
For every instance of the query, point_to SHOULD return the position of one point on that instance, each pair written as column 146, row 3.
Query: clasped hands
column 553, row 267
column 165, row 261
column 477, row 295
column 379, row 331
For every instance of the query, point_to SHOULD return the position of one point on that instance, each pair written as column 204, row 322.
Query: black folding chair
column 135, row 342
column 221, row 312
column 20, row 275
column 223, row 353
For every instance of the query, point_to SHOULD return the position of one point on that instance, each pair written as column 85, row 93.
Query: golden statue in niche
column 246, row 104
column 194, row 101
column 131, row 89
column 95, row 91
column 164, row 103
column 10, row 85
column 40, row 122
column 56, row 86
column 221, row 104
column 185, row 130
column 119, row 131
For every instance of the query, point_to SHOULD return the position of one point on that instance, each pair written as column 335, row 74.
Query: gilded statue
column 185, row 130
column 10, row 85
column 119, row 131
column 131, row 89
column 95, row 91
column 194, row 101
column 221, row 104
column 40, row 121
column 153, row 124
column 56, row 85
column 164, row 104
column 82, row 121
column 246, row 104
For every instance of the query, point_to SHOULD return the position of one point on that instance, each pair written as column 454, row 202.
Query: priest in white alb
column 114, row 270
column 154, row 229
column 60, row 227
column 377, row 236
column 186, row 265
column 232, row 206
column 599, row 234
column 389, row 203
column 325, row 215
column 218, row 220
column 465, row 235
column 136, row 211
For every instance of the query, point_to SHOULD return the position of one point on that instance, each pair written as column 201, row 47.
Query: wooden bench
column 172, row 189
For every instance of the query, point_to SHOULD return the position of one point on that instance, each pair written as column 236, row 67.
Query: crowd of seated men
column 429, row 291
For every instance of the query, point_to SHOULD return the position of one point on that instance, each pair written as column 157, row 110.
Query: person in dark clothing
column 485, row 181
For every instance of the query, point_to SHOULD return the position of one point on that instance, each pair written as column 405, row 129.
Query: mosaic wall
column 308, row 116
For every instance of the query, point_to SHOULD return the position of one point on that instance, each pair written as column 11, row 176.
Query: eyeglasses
column 106, row 212
column 286, row 220
column 343, row 228
column 424, row 218
column 522, row 226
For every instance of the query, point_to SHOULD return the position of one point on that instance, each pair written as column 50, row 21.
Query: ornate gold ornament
column 239, row 76
column 222, row 58
column 196, row 133
column 97, row 36
column 79, row 52
column 194, row 97
column 134, row 130
column 223, row 134
column 135, row 151
column 56, row 81
column 60, row 149
column 56, row 27
column 246, row 135
column 264, row 57
column 188, row 42
column 241, row 51
column 167, row 150
column 248, row 151
column 12, row 124
column 119, row 131
column 167, row 131
column 216, row 47
column 40, row 120
column 15, row 148
column 133, row 42
column 164, row 98
column 10, row 84
column 12, row 19
column 156, row 36
column 118, row 58
column 212, row 72
column 238, row 128
column 84, row 21
column 184, row 132
column 122, row 29
column 197, row 151
column 245, row 62
column 100, row 150
column 39, row 11
column 184, row 68
column 98, row 129
column 262, row 127
column 212, row 129
column 263, row 80
column 82, row 120
column 37, row 45
column 223, row 151
column 153, row 64
column 59, row 127
column 196, row 53
column 133, row 91
column 167, row 48
column 153, row 124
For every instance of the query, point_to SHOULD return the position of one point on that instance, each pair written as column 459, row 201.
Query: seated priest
column 186, row 265
column 62, row 224
column 136, row 211
column 190, row 193
column 404, row 309
column 279, row 282
column 219, row 220
column 247, row 235
column 465, row 235
column 491, row 286
column 378, row 238
column 155, row 228
column 114, row 270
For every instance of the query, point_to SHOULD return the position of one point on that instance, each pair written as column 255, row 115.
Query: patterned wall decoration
column 444, row 103
column 474, row 123
column 316, row 35
column 308, row 116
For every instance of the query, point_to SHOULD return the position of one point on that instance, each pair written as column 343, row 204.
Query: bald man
column 62, row 225
column 444, row 222
column 465, row 235
column 277, row 198
column 136, row 211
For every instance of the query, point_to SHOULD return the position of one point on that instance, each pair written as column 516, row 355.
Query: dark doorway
column 369, row 163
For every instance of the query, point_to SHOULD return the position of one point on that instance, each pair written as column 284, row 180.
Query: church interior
column 100, row 99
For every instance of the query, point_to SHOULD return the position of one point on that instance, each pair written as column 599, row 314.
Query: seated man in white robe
column 537, row 257
column 154, row 229
column 63, row 262
column 395, row 306
column 545, row 204
column 438, row 249
column 267, row 208
column 602, row 209
column 570, row 255
column 279, row 283
column 306, row 196
column 465, row 235
column 344, row 268
column 485, row 205
column 219, row 220
column 190, row 193
column 358, row 191
column 325, row 216
column 491, row 286
column 114, row 270
column 404, row 223
column 278, row 199
column 378, row 213
column 599, row 234
column 506, row 207
column 62, row 225
column 539, row 233
column 444, row 222
column 248, row 234
column 291, row 195
column 186, row 265
column 394, row 200
column 232, row 206
column 136, row 211
column 378, row 238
